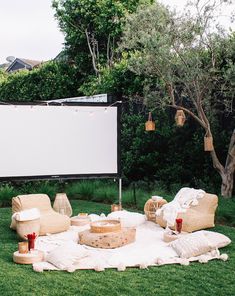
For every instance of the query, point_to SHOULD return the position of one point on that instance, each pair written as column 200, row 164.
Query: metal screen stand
column 120, row 192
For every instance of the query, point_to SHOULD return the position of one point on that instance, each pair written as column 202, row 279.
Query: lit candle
column 23, row 247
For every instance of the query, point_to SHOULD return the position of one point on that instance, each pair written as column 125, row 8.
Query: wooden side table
column 80, row 221
column 28, row 258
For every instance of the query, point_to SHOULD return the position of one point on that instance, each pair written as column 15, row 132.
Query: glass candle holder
column 31, row 242
column 23, row 247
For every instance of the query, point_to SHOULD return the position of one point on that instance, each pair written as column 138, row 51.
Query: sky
column 225, row 12
column 29, row 30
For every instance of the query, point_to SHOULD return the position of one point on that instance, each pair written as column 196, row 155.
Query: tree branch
column 231, row 150
column 91, row 52
column 216, row 164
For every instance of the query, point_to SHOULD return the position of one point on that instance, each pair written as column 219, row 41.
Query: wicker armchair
column 50, row 221
column 196, row 217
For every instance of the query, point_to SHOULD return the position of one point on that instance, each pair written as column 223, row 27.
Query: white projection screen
column 70, row 141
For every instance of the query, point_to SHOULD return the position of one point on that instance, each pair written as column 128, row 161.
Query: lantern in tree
column 208, row 143
column 180, row 118
column 150, row 124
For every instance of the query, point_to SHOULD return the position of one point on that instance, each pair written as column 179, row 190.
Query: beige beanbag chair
column 50, row 221
column 197, row 217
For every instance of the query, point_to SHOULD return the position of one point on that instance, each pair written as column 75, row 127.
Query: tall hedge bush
column 51, row 81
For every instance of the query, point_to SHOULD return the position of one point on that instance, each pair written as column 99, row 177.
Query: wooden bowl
column 104, row 226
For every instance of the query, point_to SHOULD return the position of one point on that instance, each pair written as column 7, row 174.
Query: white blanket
column 182, row 201
column 149, row 249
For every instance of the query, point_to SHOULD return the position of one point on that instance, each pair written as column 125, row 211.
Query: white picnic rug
column 149, row 249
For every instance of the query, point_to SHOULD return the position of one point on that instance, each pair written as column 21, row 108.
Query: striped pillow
column 192, row 245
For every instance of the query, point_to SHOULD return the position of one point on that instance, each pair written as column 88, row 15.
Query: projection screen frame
column 73, row 176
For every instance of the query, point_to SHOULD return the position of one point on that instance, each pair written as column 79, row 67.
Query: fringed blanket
column 149, row 249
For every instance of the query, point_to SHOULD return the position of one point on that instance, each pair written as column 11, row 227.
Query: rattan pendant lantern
column 208, row 143
column 150, row 124
column 180, row 118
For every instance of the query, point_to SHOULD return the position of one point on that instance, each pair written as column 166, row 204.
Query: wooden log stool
column 107, row 234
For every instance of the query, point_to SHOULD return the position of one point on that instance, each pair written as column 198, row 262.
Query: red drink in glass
column 178, row 224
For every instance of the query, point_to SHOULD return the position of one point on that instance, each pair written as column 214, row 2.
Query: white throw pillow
column 191, row 245
column 27, row 215
column 216, row 239
column 65, row 255
column 127, row 219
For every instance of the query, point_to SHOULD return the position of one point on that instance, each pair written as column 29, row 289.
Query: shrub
column 7, row 191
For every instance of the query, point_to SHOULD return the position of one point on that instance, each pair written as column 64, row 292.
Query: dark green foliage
column 139, row 149
column 117, row 80
column 170, row 155
column 7, row 191
column 50, row 81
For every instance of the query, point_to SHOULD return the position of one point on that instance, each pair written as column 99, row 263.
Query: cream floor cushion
column 196, row 217
column 50, row 221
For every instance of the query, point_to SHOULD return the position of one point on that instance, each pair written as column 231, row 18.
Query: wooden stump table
column 28, row 258
column 108, row 240
column 107, row 234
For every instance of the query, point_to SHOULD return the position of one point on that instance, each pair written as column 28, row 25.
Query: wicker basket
column 62, row 204
column 151, row 206
column 25, row 227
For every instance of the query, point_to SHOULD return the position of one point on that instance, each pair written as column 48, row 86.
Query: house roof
column 25, row 63
column 32, row 63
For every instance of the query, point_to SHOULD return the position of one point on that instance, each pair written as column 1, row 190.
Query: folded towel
column 27, row 215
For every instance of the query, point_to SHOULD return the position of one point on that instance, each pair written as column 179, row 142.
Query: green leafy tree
column 92, row 29
column 183, row 52
column 118, row 80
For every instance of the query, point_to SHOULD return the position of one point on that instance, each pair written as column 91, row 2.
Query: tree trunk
column 227, row 185
column 228, row 176
column 226, row 172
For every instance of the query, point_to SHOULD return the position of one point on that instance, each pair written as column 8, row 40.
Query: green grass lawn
column 215, row 278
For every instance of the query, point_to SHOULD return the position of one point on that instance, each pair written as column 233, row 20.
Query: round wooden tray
column 80, row 221
column 104, row 226
column 29, row 258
